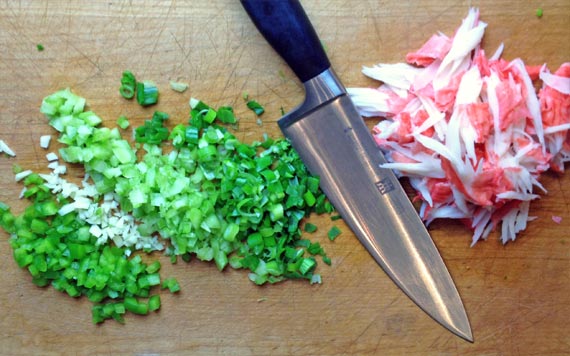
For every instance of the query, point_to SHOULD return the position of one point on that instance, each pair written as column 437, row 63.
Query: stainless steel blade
column 336, row 145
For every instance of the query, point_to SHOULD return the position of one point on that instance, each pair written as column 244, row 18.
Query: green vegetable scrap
column 40, row 47
column 539, row 12
column 333, row 233
column 202, row 115
column 128, row 85
column 255, row 107
column 310, row 228
column 147, row 93
column 154, row 302
column 123, row 122
column 226, row 115
column 178, row 86
column 171, row 284
column 153, row 131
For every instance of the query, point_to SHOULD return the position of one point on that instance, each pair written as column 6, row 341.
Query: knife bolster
column 318, row 91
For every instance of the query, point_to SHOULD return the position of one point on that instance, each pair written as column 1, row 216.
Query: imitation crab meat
column 470, row 131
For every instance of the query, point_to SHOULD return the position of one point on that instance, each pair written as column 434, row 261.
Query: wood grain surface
column 517, row 296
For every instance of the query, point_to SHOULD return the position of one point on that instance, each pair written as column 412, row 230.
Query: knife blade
column 335, row 144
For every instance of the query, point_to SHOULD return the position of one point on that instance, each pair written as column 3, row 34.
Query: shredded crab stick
column 470, row 132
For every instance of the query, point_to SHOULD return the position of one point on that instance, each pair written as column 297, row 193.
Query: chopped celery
column 123, row 122
column 153, row 267
column 171, row 284
column 154, row 302
column 135, row 307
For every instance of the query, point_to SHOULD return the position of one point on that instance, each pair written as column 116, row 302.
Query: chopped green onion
column 315, row 249
column 333, row 233
column 153, row 130
column 539, row 12
column 309, row 198
column 147, row 93
column 128, row 85
column 123, row 122
column 307, row 265
column 255, row 107
column 226, row 115
column 310, row 228
column 40, row 47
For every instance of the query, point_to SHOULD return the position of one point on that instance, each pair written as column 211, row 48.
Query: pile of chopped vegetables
column 194, row 190
column 470, row 132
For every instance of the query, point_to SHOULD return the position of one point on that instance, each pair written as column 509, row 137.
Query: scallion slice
column 128, row 85
column 333, row 233
column 255, row 107
column 147, row 93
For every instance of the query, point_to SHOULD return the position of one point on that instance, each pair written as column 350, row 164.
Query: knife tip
column 461, row 327
column 458, row 324
column 466, row 335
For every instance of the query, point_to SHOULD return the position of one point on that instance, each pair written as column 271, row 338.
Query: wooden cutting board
column 517, row 296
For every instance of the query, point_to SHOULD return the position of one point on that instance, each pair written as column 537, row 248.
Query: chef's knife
column 335, row 144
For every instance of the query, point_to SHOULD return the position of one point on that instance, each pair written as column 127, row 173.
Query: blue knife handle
column 286, row 27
